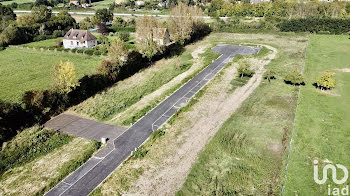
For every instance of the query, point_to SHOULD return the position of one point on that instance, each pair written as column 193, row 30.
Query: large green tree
column 102, row 15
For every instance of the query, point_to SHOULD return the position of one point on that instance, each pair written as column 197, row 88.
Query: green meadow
column 22, row 70
column 322, row 128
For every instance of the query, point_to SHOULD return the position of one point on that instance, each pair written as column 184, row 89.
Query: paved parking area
column 85, row 128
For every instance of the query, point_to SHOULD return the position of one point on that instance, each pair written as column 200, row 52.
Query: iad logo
column 332, row 191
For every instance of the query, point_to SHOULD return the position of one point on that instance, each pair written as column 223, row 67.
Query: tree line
column 221, row 8
column 38, row 25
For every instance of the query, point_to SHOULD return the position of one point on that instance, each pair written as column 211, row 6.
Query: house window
column 78, row 43
column 71, row 43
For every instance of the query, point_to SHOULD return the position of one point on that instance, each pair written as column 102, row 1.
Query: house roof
column 81, row 35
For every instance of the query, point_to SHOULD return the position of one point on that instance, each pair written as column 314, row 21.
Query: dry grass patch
column 34, row 177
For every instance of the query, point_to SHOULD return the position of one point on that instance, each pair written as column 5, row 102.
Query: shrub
column 244, row 70
column 39, row 38
column 125, row 36
column 326, row 81
column 89, row 52
column 294, row 78
column 58, row 33
column 140, row 153
column 58, row 43
column 108, row 69
column 74, row 50
column 97, row 53
column 33, row 99
column 80, row 51
column 270, row 75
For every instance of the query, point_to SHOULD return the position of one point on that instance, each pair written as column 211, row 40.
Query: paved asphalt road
column 115, row 14
column 98, row 168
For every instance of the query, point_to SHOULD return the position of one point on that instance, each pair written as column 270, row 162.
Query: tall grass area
column 30, row 144
column 133, row 116
column 23, row 70
column 125, row 93
column 322, row 128
column 246, row 156
column 37, row 159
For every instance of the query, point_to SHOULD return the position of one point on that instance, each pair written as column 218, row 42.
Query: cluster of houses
column 80, row 39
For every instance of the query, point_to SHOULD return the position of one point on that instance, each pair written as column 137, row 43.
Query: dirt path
column 203, row 121
column 119, row 118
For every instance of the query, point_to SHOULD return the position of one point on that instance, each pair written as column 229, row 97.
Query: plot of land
column 22, row 70
column 162, row 164
column 323, row 118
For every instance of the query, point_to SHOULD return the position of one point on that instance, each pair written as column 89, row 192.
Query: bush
column 58, row 43
column 326, row 81
column 33, row 99
column 294, row 78
column 125, row 36
column 58, row 33
column 89, row 52
column 80, row 51
column 108, row 69
column 244, row 70
column 40, row 38
column 97, row 53
column 270, row 75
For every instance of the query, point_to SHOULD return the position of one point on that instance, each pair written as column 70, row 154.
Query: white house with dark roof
column 77, row 39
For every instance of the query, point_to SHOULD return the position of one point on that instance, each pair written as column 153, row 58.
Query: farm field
column 323, row 118
column 22, row 70
column 162, row 164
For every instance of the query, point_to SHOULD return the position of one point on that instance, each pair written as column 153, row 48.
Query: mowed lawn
column 23, row 70
column 43, row 43
column 322, row 129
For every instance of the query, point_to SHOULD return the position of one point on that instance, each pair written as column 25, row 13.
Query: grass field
column 23, row 70
column 246, row 156
column 323, row 118
column 17, row 1
column 44, row 43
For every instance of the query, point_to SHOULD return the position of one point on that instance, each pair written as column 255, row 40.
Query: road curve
column 86, row 178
